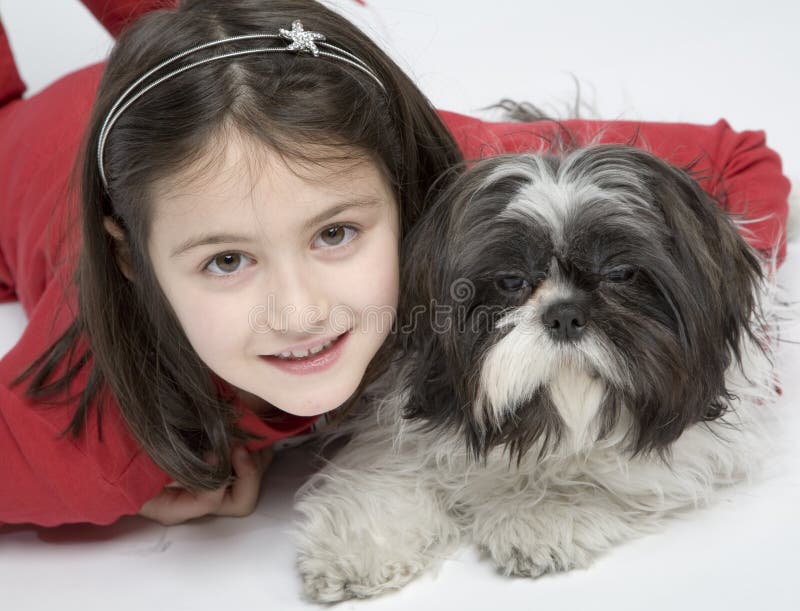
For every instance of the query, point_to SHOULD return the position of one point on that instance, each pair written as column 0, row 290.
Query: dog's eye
column 511, row 284
column 622, row 273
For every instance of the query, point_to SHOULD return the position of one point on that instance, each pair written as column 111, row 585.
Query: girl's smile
column 318, row 358
column 299, row 352
column 283, row 274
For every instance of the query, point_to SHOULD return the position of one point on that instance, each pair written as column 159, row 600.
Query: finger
column 177, row 505
column 174, row 506
column 264, row 458
column 242, row 496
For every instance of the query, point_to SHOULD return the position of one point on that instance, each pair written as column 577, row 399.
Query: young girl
column 240, row 210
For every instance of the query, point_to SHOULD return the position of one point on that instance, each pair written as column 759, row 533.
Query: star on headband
column 301, row 40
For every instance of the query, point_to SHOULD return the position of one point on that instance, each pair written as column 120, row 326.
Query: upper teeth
column 299, row 354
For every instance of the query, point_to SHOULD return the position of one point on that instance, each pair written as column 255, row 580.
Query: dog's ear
column 424, row 257
column 709, row 283
column 722, row 266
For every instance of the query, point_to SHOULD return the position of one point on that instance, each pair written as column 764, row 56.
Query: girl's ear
column 121, row 249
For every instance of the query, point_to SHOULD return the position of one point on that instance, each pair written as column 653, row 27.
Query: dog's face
column 546, row 299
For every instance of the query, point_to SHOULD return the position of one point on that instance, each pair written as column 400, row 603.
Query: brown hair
column 287, row 101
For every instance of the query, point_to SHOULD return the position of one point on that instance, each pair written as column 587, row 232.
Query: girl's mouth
column 313, row 362
column 301, row 354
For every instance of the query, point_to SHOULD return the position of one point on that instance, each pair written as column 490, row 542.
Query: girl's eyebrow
column 367, row 202
column 228, row 238
column 207, row 238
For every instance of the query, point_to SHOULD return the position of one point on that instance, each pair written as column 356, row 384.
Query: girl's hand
column 175, row 504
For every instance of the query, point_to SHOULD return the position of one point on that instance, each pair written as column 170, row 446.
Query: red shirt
column 49, row 480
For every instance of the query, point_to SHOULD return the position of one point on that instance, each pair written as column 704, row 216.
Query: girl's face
column 263, row 257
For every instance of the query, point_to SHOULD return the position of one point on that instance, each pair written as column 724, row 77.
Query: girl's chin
column 321, row 403
column 313, row 410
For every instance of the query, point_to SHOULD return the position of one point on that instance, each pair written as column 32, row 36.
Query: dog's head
column 547, row 297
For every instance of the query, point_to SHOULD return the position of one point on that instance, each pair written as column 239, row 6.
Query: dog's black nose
column 565, row 320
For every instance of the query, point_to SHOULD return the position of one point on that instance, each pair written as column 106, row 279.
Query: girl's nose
column 301, row 305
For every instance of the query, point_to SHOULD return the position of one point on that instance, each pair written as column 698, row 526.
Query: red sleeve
column 47, row 479
column 736, row 165
column 115, row 15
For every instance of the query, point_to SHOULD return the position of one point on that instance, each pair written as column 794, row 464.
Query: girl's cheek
column 386, row 290
column 392, row 282
column 212, row 324
column 382, row 280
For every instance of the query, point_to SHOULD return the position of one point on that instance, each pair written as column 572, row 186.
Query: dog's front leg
column 531, row 527
column 369, row 528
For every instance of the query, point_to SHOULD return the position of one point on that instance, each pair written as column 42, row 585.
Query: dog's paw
column 329, row 579
column 528, row 547
column 366, row 536
column 535, row 560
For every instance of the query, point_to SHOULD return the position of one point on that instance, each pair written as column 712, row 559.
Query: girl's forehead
column 242, row 171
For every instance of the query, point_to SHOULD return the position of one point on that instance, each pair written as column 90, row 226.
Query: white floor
column 676, row 61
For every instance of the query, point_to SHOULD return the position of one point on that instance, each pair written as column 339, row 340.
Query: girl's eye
column 335, row 235
column 227, row 263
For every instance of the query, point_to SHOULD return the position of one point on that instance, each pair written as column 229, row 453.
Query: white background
column 666, row 61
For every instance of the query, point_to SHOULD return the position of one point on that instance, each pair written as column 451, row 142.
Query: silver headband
column 302, row 41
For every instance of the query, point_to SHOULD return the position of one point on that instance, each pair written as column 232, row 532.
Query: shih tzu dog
column 585, row 346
